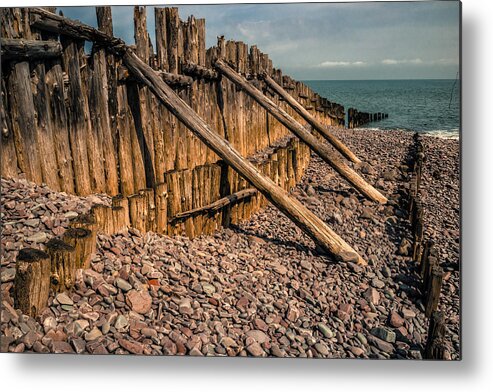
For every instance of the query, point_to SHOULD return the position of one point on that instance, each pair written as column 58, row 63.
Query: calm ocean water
column 415, row 105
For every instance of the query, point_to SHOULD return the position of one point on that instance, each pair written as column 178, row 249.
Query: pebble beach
column 257, row 289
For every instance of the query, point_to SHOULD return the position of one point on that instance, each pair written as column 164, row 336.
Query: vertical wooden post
column 122, row 201
column 433, row 290
column 24, row 122
column 84, row 243
column 161, row 38
column 76, row 117
column 32, row 281
column 8, row 162
column 161, row 194
column 137, row 206
column 100, row 115
column 63, row 264
column 434, row 348
column 172, row 28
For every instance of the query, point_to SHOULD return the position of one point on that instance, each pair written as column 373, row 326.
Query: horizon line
column 362, row 80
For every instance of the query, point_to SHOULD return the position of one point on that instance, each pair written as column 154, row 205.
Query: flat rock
column 7, row 275
column 258, row 336
column 384, row 334
column 139, row 301
column 64, row 299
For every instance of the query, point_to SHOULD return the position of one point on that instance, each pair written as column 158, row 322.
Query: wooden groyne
column 426, row 261
column 118, row 121
column 356, row 119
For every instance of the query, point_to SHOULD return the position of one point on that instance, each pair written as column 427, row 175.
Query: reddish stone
column 153, row 282
column 242, row 303
column 372, row 296
column 139, row 301
column 169, row 347
column 396, row 320
column 213, row 301
column 132, row 347
column 59, row 347
column 344, row 312
column 260, row 324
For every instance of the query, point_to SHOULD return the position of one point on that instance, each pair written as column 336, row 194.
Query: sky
column 327, row 41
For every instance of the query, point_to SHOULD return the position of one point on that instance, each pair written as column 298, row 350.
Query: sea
column 429, row 106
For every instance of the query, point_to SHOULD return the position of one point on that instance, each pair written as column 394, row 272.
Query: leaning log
column 218, row 204
column 32, row 281
column 21, row 49
column 338, row 145
column 299, row 214
column 305, row 135
column 313, row 226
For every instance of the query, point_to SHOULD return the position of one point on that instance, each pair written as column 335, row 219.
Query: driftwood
column 321, row 149
column 340, row 146
column 16, row 49
column 32, row 281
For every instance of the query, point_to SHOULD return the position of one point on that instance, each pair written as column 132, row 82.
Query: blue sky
column 374, row 40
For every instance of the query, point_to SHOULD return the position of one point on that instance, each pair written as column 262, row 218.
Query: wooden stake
column 32, row 281
column 63, row 264
column 433, row 290
column 161, row 194
column 84, row 243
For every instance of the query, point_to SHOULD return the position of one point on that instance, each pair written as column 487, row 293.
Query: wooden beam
column 174, row 80
column 305, row 135
column 198, row 71
column 48, row 21
column 338, row 145
column 218, row 204
column 21, row 49
column 313, row 226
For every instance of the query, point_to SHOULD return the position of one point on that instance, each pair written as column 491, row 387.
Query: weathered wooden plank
column 172, row 29
column 144, row 108
column 44, row 127
column 21, row 49
column 24, row 121
column 9, row 168
column 77, row 116
column 161, row 40
column 100, row 115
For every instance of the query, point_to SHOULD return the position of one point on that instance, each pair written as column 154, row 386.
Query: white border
column 473, row 373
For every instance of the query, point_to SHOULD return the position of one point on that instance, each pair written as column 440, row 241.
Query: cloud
column 329, row 64
column 396, row 62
